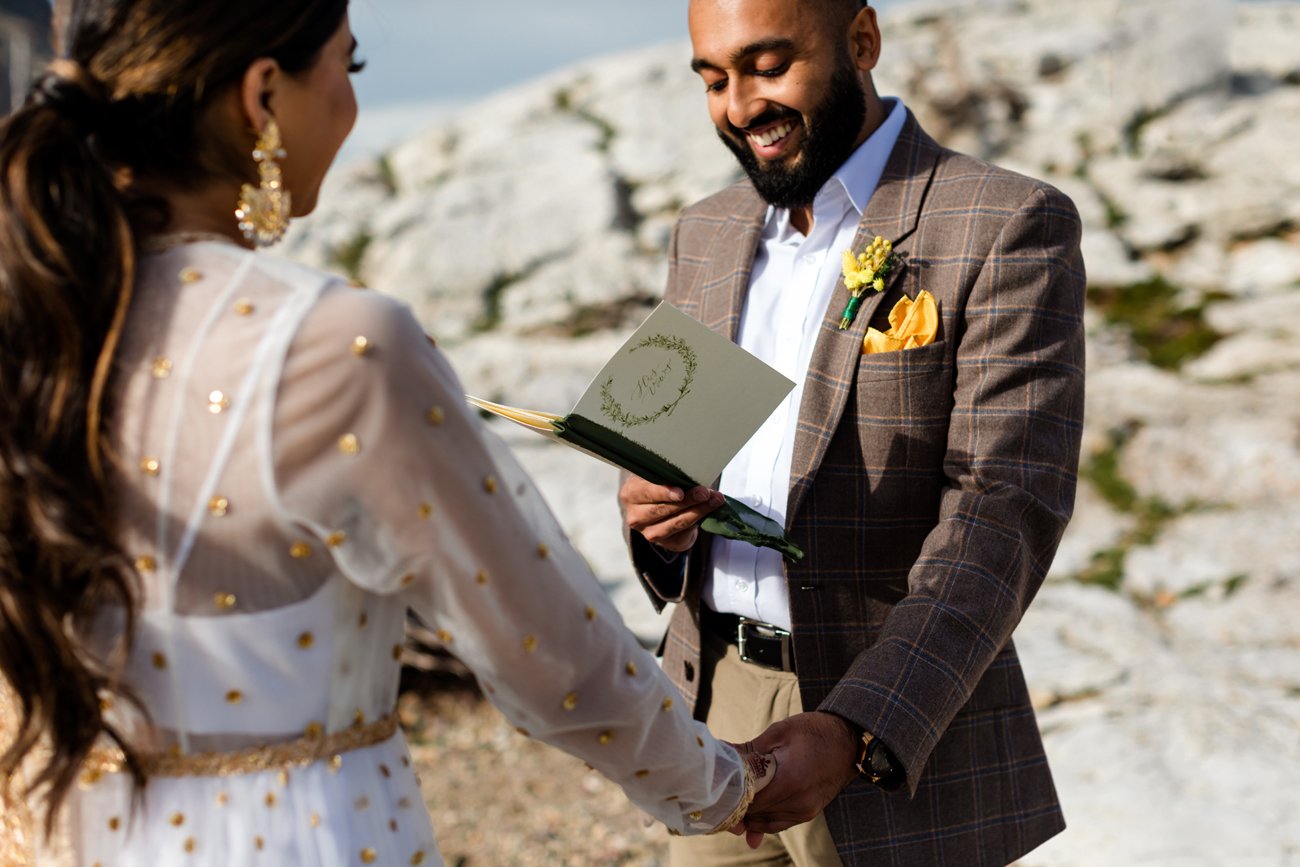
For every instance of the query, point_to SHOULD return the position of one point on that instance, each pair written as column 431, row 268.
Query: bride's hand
column 763, row 766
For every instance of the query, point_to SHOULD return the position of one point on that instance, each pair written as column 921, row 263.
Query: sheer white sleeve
column 377, row 455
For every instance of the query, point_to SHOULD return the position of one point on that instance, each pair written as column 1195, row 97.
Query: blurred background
column 515, row 175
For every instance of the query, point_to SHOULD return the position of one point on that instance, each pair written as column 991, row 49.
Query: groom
column 926, row 460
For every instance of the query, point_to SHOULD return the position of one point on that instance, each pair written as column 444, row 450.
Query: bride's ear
column 257, row 90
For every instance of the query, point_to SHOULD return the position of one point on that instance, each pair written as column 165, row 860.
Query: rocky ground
column 528, row 232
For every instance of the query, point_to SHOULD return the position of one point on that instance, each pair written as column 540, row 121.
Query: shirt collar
column 857, row 178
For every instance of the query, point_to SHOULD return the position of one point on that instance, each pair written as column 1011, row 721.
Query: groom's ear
column 864, row 39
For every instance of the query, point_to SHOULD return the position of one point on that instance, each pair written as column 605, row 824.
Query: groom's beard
column 829, row 138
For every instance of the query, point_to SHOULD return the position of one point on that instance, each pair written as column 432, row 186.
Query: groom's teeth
column 773, row 135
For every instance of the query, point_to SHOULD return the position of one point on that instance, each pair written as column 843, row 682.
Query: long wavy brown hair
column 126, row 101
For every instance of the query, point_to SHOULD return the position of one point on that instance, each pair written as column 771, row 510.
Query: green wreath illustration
column 614, row 411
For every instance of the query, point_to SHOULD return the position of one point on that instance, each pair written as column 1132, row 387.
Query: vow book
column 673, row 406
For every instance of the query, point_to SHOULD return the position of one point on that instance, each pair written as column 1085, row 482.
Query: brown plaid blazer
column 929, row 489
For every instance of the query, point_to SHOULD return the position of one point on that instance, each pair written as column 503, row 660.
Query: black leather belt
column 759, row 643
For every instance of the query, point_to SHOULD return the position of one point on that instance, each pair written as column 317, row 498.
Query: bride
column 224, row 479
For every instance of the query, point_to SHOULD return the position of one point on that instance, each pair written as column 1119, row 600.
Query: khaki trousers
column 743, row 700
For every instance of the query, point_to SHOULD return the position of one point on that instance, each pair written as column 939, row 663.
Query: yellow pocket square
column 912, row 324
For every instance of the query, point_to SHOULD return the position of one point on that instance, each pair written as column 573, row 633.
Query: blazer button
column 690, row 672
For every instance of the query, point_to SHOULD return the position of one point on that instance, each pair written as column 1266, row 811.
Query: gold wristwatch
column 877, row 763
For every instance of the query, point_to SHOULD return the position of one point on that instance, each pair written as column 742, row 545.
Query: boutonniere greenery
column 867, row 270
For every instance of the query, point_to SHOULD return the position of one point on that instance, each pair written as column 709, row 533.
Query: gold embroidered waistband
column 254, row 760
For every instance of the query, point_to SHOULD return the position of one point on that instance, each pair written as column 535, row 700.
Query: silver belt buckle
column 764, row 630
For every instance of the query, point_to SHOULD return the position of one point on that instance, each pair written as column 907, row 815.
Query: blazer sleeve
column 662, row 577
column 1011, row 462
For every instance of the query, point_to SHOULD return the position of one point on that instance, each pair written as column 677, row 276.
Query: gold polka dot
column 444, row 636
column 89, row 778
column 606, row 737
column 219, row 506
column 404, row 803
column 306, row 640
column 406, row 762
column 177, row 819
column 397, row 650
column 490, row 484
column 105, row 703
column 282, row 778
column 159, row 661
column 392, row 825
column 145, row 563
column 336, row 762
column 191, row 275
column 161, row 367
column 349, row 444
column 408, row 579
column 699, row 740
column 362, row 804
column 425, row 511
column 360, row 345
column 418, row 857
column 314, row 818
column 335, row 539
column 591, row 612
column 435, row 416
column 570, row 701
column 542, row 550
column 270, row 799
column 224, row 601
column 530, row 643
column 300, row 550
column 217, row 401
column 368, row 856
column 114, row 823
column 234, row 697
column 671, row 798
column 190, row 844
column 524, row 732
column 358, row 717
column 642, row 774
column 697, row 816
column 244, row 307
column 384, row 771
column 150, row 466
column 258, row 843
column 363, row 620
column 667, row 705
column 313, row 731
column 481, row 577
column 223, row 798
column 631, row 669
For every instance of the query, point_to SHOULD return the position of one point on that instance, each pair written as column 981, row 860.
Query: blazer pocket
column 903, row 364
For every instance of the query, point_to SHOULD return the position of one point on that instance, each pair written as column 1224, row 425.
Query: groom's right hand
column 666, row 516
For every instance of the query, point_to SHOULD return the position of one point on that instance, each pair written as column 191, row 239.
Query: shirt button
column 809, row 261
column 740, row 585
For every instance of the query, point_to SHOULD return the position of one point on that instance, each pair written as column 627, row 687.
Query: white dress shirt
column 790, row 288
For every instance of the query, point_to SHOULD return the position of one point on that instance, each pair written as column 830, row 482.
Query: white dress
column 295, row 467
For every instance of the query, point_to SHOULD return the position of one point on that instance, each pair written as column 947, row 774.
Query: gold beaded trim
column 751, row 780
column 255, row 760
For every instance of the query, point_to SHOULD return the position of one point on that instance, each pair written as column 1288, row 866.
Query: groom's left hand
column 815, row 754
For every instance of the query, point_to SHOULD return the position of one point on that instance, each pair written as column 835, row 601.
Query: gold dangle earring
column 263, row 211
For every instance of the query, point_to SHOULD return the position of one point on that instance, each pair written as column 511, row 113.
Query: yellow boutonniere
column 867, row 270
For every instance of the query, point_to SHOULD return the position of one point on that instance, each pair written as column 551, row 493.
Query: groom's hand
column 668, row 517
column 815, row 754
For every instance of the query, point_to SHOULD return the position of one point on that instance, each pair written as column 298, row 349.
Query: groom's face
column 784, row 88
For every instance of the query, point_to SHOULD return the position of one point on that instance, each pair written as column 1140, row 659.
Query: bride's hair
column 127, row 101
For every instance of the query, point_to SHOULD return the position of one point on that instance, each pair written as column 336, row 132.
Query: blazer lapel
column 731, row 260
column 892, row 213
